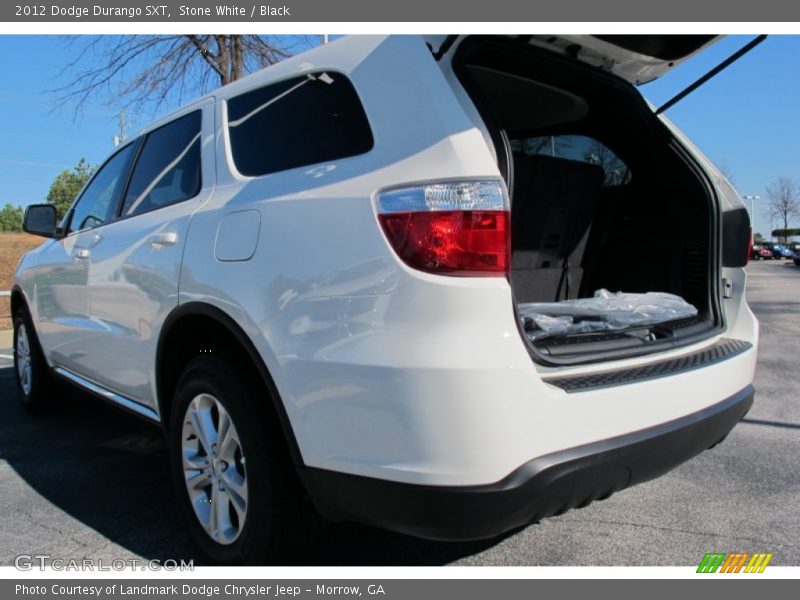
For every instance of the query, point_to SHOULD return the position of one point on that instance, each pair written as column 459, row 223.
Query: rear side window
column 168, row 168
column 298, row 122
column 580, row 148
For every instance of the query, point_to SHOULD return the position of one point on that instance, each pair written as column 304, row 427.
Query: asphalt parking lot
column 88, row 481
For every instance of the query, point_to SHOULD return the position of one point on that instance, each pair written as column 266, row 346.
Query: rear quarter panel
column 324, row 298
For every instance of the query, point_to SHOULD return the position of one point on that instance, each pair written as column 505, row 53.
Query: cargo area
column 602, row 197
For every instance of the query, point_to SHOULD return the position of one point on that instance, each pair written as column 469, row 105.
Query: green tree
column 11, row 218
column 67, row 184
column 785, row 234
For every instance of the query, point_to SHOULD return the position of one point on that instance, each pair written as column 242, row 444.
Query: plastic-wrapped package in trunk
column 605, row 311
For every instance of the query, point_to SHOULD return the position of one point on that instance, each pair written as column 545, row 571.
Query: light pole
column 752, row 198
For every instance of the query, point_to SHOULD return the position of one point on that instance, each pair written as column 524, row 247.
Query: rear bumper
column 542, row 487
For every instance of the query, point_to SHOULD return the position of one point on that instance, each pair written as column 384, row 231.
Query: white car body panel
column 632, row 66
column 63, row 300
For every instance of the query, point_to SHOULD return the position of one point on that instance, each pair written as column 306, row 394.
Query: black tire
column 37, row 393
column 279, row 523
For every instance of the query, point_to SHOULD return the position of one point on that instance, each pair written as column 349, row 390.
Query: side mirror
column 40, row 219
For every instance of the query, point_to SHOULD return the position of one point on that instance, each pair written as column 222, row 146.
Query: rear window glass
column 579, row 148
column 297, row 122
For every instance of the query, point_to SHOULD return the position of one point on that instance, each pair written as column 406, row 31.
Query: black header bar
column 439, row 11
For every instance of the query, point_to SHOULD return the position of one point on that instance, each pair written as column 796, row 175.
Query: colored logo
column 734, row 562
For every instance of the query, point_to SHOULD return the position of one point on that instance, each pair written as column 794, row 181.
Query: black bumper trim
column 723, row 350
column 546, row 486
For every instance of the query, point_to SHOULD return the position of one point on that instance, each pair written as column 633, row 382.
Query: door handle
column 82, row 253
column 159, row 241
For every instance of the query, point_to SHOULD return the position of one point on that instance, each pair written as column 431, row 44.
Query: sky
column 747, row 117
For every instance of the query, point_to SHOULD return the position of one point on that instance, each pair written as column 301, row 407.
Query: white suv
column 311, row 279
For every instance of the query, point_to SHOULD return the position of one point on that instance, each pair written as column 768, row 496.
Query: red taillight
column 449, row 227
column 458, row 242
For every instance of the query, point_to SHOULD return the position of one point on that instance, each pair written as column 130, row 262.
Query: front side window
column 297, row 122
column 168, row 168
column 580, row 148
column 99, row 200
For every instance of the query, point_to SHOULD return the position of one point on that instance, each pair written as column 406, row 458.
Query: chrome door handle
column 82, row 253
column 162, row 240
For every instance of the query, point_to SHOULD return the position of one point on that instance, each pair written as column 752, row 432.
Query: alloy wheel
column 214, row 469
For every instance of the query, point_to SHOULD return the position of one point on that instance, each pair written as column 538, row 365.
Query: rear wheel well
column 17, row 301
column 204, row 330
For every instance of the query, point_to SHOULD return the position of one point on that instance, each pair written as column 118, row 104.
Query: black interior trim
column 665, row 47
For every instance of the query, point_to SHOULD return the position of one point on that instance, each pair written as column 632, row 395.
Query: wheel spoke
column 228, row 446
column 223, row 431
column 236, row 488
column 207, row 426
column 198, row 423
column 239, row 504
column 192, row 460
column 223, row 516
column 196, row 480
column 213, row 521
column 202, row 508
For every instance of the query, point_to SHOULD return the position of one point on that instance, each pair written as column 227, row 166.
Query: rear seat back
column 554, row 202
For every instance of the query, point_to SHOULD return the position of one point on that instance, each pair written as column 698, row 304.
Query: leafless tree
column 783, row 200
column 550, row 145
column 726, row 169
column 136, row 70
column 615, row 171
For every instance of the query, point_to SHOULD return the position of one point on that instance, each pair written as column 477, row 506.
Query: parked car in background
column 308, row 279
column 779, row 251
column 759, row 252
column 797, row 257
